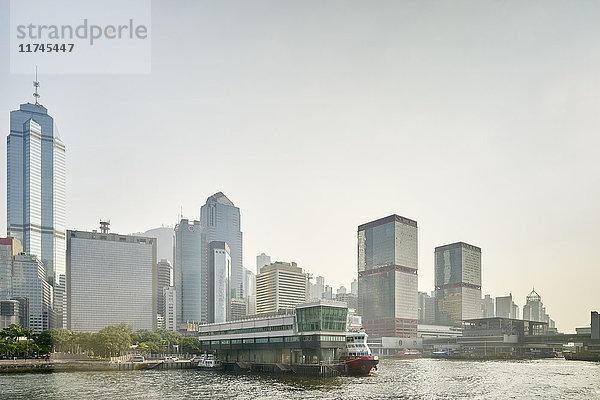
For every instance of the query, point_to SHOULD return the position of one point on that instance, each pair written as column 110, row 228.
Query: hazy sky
column 478, row 119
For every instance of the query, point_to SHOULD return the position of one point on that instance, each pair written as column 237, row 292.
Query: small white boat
column 209, row 362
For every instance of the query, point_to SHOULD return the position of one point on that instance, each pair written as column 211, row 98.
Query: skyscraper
column 506, row 308
column 170, row 308
column 280, row 285
column 221, row 221
column 487, row 307
column 191, row 273
column 219, row 268
column 387, row 276
column 319, row 288
column 457, row 283
column 250, row 291
column 9, row 247
column 164, row 241
column 164, row 272
column 35, row 207
column 534, row 310
column 426, row 308
column 111, row 279
column 261, row 260
column 29, row 281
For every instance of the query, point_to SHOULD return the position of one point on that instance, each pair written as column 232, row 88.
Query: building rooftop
column 386, row 220
column 458, row 244
column 221, row 199
column 534, row 296
column 323, row 302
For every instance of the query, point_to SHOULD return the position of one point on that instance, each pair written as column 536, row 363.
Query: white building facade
column 111, row 279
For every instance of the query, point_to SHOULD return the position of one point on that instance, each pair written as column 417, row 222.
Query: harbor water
column 395, row 379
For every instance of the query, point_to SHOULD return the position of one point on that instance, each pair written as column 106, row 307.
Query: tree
column 190, row 345
column 111, row 340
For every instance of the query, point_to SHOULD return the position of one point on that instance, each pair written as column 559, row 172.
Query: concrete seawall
column 309, row 370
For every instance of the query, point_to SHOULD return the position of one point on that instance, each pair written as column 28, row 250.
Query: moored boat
column 408, row 354
column 357, row 354
column 210, row 363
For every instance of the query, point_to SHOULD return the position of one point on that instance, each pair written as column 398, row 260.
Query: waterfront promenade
column 64, row 365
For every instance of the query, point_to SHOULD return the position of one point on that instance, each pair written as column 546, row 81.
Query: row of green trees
column 110, row 341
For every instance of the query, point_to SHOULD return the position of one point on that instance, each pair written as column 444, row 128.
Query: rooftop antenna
column 36, row 85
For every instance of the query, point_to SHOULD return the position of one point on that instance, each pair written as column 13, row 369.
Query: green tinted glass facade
column 321, row 318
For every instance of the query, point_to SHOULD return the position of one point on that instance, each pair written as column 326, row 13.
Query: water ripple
column 396, row 379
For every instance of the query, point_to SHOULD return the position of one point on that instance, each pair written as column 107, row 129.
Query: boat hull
column 361, row 365
column 211, row 368
column 407, row 356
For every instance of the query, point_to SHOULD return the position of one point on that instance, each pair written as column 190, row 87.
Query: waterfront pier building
column 311, row 333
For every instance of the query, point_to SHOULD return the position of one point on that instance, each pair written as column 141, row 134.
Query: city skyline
column 494, row 131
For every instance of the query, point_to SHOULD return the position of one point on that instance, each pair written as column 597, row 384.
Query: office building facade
column 221, row 221
column 261, row 260
column 164, row 279
column 387, row 276
column 164, row 241
column 29, row 281
column 487, row 307
column 534, row 310
column 111, row 278
column 36, row 192
column 457, row 283
column 280, row 286
column 191, row 273
column 9, row 248
column 9, row 313
column 219, row 270
column 506, row 307
column 170, row 308
column 426, row 309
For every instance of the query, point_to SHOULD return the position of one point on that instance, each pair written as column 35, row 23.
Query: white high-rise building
column 170, row 308
column 164, row 236
column 219, row 268
column 220, row 220
column 111, row 279
column 354, row 287
column 280, row 285
column 164, row 275
column 261, row 260
column 36, row 193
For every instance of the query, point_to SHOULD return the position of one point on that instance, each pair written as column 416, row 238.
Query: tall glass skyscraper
column 457, row 283
column 387, row 276
column 221, row 221
column 190, row 270
column 35, row 183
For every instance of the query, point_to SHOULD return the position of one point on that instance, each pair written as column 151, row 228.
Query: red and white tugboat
column 358, row 355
